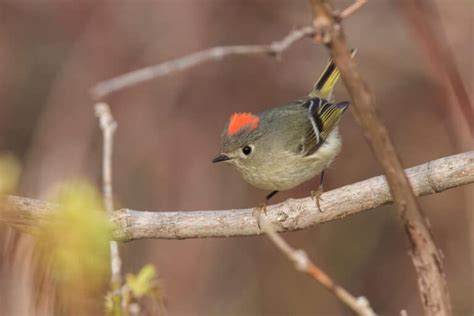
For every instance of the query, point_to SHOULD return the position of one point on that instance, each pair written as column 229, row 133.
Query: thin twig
column 432, row 39
column 304, row 264
column 28, row 215
column 108, row 126
column 353, row 8
column 104, row 88
column 425, row 255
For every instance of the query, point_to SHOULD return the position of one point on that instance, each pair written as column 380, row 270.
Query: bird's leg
column 262, row 207
column 316, row 195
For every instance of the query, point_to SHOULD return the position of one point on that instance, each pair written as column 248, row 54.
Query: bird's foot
column 316, row 195
column 258, row 211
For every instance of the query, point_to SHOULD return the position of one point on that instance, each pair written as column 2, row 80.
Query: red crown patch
column 240, row 120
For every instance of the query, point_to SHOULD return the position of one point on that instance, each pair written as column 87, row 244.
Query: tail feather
column 324, row 86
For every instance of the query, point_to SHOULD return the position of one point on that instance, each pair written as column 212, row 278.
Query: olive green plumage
column 286, row 145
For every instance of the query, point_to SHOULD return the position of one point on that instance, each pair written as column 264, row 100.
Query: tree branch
column 432, row 177
column 425, row 255
column 108, row 126
column 359, row 305
column 104, row 88
column 422, row 16
column 353, row 8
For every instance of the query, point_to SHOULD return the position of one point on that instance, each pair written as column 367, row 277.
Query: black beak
column 220, row 157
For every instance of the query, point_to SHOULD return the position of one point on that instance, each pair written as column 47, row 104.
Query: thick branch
column 434, row 176
column 426, row 257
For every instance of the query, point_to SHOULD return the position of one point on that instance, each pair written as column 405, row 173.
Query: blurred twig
column 434, row 43
column 304, row 264
column 425, row 255
column 352, row 8
column 426, row 24
column 108, row 126
column 104, row 88
column 435, row 176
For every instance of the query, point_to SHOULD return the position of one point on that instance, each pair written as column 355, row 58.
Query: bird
column 285, row 146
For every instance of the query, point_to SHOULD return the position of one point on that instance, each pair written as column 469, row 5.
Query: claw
column 316, row 195
column 261, row 208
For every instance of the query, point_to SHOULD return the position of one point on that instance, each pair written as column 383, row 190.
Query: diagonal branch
column 435, row 176
column 359, row 305
column 425, row 255
column 424, row 19
column 104, row 88
column 353, row 8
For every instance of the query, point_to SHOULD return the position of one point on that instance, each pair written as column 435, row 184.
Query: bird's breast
column 285, row 170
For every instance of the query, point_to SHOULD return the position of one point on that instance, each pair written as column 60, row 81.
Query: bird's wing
column 323, row 116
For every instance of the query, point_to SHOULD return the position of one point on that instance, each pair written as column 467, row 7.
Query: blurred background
column 53, row 51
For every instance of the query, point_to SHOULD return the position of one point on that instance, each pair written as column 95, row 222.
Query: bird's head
column 240, row 141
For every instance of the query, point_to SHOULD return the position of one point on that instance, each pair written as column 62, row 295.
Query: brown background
column 53, row 51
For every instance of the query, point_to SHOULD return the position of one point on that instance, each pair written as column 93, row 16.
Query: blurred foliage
column 10, row 170
column 144, row 282
column 52, row 53
column 113, row 304
column 73, row 247
column 138, row 286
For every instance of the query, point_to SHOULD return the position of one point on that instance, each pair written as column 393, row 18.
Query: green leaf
column 144, row 282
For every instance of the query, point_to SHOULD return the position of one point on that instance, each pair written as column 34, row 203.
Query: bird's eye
column 247, row 150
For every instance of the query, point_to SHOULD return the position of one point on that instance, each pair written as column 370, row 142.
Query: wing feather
column 323, row 116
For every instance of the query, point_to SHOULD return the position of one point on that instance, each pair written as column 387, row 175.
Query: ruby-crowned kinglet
column 285, row 146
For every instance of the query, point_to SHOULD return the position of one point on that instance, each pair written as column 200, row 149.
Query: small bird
column 283, row 147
